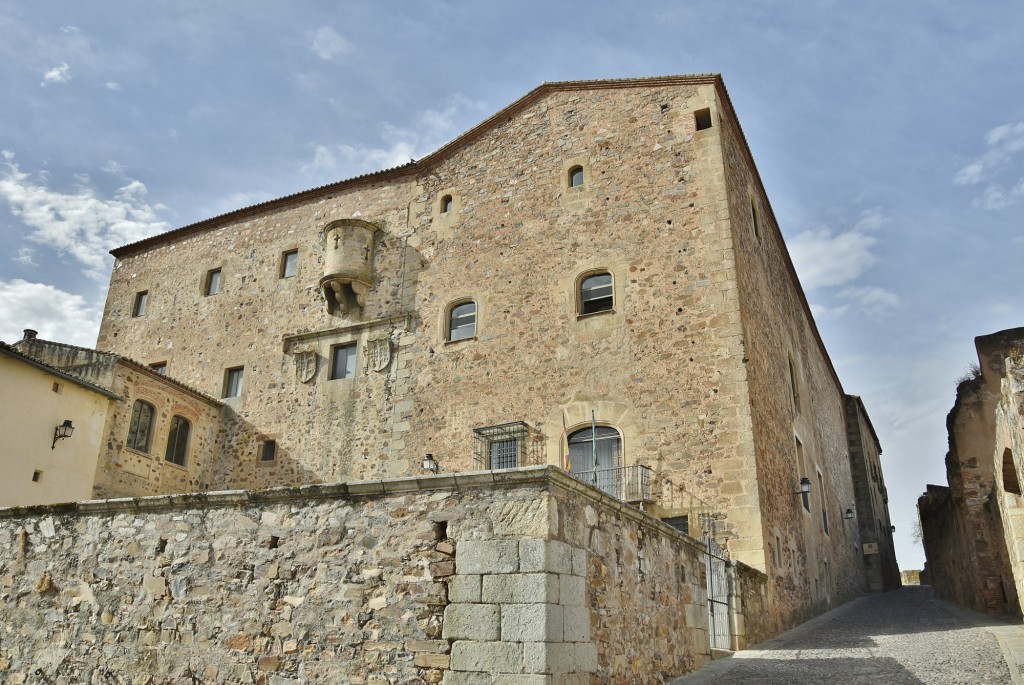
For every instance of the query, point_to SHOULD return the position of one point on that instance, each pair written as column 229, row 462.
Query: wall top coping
column 547, row 477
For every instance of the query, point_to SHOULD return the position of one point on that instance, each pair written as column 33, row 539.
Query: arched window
column 597, row 452
column 576, row 177
column 446, row 204
column 141, row 426
column 177, row 440
column 596, row 294
column 462, row 321
column 1011, row 483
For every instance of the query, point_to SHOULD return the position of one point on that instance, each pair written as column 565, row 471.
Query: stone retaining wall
column 525, row 577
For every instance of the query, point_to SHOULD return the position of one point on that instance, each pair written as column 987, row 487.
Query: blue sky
column 890, row 137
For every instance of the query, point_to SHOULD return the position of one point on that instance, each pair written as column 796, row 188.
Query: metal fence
column 507, row 446
column 627, row 483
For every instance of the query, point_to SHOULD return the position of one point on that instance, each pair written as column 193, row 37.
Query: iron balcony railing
column 626, row 483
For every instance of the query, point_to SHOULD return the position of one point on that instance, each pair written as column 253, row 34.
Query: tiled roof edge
column 425, row 162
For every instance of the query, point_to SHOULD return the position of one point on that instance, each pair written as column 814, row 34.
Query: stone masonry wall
column 794, row 397
column 525, row 577
column 515, row 241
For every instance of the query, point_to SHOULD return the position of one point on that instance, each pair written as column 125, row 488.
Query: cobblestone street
column 905, row 637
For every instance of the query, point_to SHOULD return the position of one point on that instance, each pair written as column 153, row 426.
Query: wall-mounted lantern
column 848, row 515
column 805, row 486
column 429, row 463
column 62, row 431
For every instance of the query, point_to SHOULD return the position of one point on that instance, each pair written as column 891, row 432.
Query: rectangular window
column 159, row 367
column 824, row 512
column 37, row 476
column 504, row 454
column 794, row 387
column 680, row 523
column 141, row 300
column 212, row 282
column 505, row 446
column 343, row 361
column 268, row 450
column 233, row 381
column 289, row 263
column 702, row 118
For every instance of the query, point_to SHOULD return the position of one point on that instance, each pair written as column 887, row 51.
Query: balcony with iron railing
column 640, row 486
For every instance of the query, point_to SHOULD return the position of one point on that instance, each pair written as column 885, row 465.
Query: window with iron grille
column 507, row 446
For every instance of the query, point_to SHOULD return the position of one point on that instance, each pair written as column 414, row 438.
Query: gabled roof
column 424, row 163
column 118, row 359
column 471, row 135
column 43, row 366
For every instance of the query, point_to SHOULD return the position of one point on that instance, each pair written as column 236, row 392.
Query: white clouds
column 112, row 85
column 823, row 258
column 430, row 129
column 328, row 44
column 871, row 299
column 993, row 167
column 59, row 74
column 80, row 224
column 24, row 257
column 56, row 314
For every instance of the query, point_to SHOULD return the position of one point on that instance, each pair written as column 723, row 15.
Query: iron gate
column 716, row 566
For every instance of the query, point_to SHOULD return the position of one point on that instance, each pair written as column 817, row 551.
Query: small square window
column 268, row 450
column 159, row 367
column 141, row 300
column 56, row 388
column 702, row 118
column 212, row 282
column 37, row 476
column 289, row 263
column 343, row 361
column 233, row 381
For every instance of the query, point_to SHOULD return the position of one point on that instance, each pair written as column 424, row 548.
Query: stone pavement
column 905, row 637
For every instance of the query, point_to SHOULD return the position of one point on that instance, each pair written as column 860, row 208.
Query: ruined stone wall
column 794, row 397
column 1007, row 455
column 516, row 577
column 968, row 527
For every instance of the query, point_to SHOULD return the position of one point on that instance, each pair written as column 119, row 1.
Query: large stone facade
column 525, row 577
column 626, row 279
column 973, row 529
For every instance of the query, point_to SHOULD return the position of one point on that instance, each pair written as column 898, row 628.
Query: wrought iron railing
column 627, row 483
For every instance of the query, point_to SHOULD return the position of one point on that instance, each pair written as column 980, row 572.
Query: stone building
column 43, row 404
column 973, row 528
column 591, row 278
column 872, row 508
column 137, row 425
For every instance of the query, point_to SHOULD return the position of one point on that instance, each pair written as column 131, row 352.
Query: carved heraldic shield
column 378, row 352
column 305, row 364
